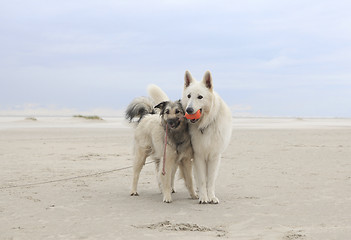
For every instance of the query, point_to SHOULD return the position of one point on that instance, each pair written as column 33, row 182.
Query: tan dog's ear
column 162, row 106
column 179, row 102
column 188, row 79
column 207, row 80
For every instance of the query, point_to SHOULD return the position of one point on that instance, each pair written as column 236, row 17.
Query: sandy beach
column 67, row 178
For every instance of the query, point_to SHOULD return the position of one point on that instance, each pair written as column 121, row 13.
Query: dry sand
column 279, row 179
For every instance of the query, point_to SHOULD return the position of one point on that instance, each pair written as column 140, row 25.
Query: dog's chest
column 180, row 143
column 204, row 141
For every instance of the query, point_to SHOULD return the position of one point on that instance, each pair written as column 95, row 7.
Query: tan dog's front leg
column 186, row 168
column 173, row 176
column 166, row 179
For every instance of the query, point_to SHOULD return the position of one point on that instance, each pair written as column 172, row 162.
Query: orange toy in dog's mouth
column 194, row 116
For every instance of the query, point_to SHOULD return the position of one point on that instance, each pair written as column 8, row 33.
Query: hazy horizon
column 267, row 58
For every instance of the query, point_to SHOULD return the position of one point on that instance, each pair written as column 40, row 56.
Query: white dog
column 210, row 134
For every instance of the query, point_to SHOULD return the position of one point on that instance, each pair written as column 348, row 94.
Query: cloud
column 240, row 107
column 32, row 109
column 279, row 62
column 89, row 54
column 242, row 110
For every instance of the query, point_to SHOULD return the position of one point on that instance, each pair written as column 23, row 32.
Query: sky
column 271, row 58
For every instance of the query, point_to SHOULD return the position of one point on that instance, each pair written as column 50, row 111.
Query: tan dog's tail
column 156, row 94
column 138, row 108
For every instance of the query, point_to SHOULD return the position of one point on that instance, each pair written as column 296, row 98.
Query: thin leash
column 164, row 153
column 70, row 178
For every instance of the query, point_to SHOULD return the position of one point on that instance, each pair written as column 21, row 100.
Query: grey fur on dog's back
column 138, row 108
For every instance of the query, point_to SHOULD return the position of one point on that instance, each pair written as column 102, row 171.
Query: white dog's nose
column 190, row 110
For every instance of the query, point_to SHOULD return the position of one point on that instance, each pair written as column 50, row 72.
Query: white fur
column 210, row 135
column 157, row 94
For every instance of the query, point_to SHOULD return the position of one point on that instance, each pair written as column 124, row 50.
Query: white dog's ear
column 207, row 80
column 188, row 79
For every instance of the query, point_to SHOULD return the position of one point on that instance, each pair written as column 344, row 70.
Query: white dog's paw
column 167, row 199
column 214, row 200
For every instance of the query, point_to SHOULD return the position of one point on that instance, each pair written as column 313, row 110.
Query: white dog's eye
column 200, row 97
column 189, row 96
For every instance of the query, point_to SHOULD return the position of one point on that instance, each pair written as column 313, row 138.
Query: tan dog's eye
column 167, row 111
column 177, row 111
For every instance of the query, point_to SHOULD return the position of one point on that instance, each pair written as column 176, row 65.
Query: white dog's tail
column 157, row 94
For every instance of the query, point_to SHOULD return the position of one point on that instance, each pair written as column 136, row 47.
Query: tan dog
column 149, row 141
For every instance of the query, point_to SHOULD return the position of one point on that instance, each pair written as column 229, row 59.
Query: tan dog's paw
column 134, row 194
column 194, row 196
column 203, row 200
column 167, row 199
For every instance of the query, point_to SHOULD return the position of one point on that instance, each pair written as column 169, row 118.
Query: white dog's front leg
column 212, row 171
column 201, row 172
